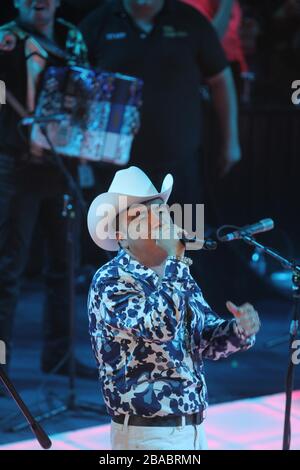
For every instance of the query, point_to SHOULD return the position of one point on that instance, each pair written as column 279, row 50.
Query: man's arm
column 225, row 103
column 222, row 17
column 215, row 69
column 124, row 305
column 220, row 338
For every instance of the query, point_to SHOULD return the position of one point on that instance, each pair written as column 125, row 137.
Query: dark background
column 265, row 183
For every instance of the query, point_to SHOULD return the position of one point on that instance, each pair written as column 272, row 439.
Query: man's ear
column 16, row 3
column 58, row 3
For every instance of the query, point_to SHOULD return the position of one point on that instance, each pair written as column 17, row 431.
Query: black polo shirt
column 173, row 59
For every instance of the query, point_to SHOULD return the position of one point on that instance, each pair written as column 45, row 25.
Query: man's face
column 143, row 9
column 140, row 226
column 36, row 12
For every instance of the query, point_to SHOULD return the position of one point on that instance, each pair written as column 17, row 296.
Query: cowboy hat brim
column 107, row 206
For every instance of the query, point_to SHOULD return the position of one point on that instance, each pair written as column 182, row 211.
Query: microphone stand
column 37, row 430
column 293, row 332
column 72, row 196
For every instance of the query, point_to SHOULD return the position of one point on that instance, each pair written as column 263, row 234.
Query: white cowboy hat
column 129, row 186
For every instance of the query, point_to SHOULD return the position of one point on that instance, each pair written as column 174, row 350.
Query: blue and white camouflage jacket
column 150, row 335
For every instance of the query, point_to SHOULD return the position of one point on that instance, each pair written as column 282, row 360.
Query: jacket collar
column 132, row 265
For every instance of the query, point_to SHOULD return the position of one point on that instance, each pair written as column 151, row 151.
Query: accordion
column 99, row 113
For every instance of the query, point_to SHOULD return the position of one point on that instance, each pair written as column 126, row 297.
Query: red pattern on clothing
column 231, row 41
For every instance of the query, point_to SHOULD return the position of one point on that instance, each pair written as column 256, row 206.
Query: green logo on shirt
column 170, row 32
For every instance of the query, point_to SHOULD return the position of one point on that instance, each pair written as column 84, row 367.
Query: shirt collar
column 168, row 7
column 131, row 265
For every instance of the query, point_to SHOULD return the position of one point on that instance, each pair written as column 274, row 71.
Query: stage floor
column 251, row 424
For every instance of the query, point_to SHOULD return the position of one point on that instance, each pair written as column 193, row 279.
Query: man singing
column 149, row 323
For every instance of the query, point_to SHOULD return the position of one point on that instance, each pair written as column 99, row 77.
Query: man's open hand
column 246, row 317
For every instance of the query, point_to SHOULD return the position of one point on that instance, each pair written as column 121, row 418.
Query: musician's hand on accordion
column 8, row 41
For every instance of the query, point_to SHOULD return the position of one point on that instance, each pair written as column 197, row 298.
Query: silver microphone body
column 263, row 225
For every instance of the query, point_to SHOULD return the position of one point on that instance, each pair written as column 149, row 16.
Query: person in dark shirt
column 173, row 48
column 33, row 190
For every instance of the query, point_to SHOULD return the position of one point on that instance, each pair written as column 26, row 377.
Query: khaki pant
column 184, row 437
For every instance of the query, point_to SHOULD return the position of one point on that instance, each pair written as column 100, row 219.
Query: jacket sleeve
column 221, row 338
column 123, row 304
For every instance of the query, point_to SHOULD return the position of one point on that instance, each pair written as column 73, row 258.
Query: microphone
column 262, row 226
column 29, row 120
column 206, row 244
